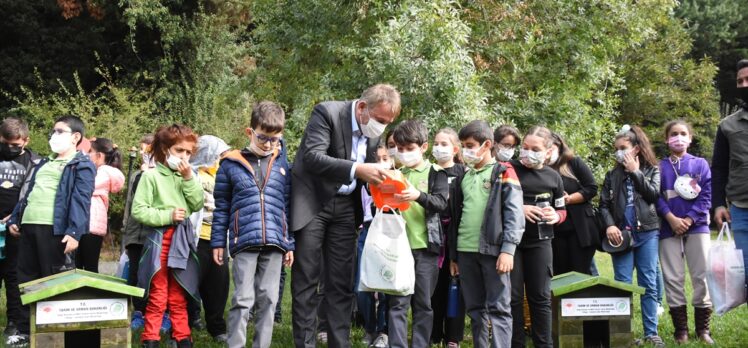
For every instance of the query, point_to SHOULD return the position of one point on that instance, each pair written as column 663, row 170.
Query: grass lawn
column 730, row 330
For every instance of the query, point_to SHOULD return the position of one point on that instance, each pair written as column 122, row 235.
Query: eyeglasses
column 264, row 138
column 59, row 131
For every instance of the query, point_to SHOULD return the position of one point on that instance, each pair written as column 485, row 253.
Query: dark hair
column 75, row 124
column 112, row 156
column 268, row 116
column 147, row 139
column 411, row 132
column 673, row 123
column 454, row 139
column 479, row 130
column 742, row 64
column 390, row 133
column 167, row 136
column 636, row 136
column 505, row 130
column 565, row 155
column 13, row 128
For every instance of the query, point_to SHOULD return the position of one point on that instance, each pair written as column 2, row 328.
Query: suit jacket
column 323, row 163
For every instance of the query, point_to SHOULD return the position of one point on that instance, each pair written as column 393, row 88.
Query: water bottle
column 453, row 298
column 545, row 230
column 2, row 240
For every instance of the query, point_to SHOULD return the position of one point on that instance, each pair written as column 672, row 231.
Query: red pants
column 165, row 290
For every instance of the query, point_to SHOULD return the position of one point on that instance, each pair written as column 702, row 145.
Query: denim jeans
column 645, row 258
column 739, row 230
column 375, row 316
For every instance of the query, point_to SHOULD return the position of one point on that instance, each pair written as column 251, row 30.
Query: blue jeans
column 644, row 258
column 375, row 317
column 739, row 229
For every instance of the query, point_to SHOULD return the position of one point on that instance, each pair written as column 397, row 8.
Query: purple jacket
column 669, row 202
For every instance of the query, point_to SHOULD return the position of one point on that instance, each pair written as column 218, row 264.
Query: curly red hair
column 167, row 136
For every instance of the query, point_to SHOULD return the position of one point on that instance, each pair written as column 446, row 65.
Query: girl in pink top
column 109, row 178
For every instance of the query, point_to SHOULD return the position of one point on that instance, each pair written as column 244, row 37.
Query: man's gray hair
column 382, row 93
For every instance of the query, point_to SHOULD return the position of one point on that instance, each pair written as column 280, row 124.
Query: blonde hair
column 455, row 140
column 382, row 93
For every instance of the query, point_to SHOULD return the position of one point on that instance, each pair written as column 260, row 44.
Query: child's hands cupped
column 70, row 244
column 178, row 214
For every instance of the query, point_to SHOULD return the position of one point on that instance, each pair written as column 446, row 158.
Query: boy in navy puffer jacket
column 251, row 198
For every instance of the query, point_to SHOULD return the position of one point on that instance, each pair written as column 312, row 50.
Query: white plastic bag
column 726, row 273
column 386, row 262
column 123, row 266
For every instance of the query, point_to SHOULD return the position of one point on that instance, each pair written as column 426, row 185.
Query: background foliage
column 583, row 68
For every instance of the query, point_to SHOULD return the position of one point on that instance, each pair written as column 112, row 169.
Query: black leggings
column 89, row 250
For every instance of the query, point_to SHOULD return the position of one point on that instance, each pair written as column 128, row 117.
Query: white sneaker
column 322, row 337
column 660, row 310
column 18, row 340
column 382, row 341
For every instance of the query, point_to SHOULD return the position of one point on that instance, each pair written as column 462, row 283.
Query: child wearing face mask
column 252, row 193
column 53, row 213
column 533, row 260
column 686, row 192
column 109, row 178
column 392, row 148
column 449, row 331
column 507, row 139
column 373, row 307
column 627, row 203
column 427, row 191
column 165, row 198
column 486, row 210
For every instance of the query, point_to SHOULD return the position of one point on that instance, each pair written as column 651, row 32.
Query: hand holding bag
column 725, row 273
column 387, row 263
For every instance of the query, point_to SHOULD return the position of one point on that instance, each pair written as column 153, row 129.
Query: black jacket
column 581, row 217
column 323, row 163
column 435, row 202
column 646, row 192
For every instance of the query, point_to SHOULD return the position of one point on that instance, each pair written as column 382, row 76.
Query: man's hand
column 533, row 213
column 454, row 270
column 722, row 215
column 505, row 263
column 178, row 215
column 614, row 235
column 218, row 256
column 14, row 231
column 408, row 195
column 70, row 244
column 371, row 173
column 288, row 259
column 185, row 169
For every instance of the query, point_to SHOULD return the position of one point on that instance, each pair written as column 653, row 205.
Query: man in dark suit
column 336, row 157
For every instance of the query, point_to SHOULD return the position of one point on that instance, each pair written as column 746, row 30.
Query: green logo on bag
column 387, row 273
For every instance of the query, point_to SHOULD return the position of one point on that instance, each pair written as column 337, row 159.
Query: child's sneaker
column 19, row 340
column 137, row 321
column 165, row 323
column 382, row 341
column 10, row 329
column 655, row 341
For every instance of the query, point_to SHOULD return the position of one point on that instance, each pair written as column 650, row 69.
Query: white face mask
column 258, row 151
column 620, row 155
column 442, row 153
column 60, row 142
column 385, row 165
column 373, row 129
column 505, row 155
column 392, row 152
column 554, row 157
column 531, row 159
column 410, row 158
column 470, row 156
column 173, row 161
